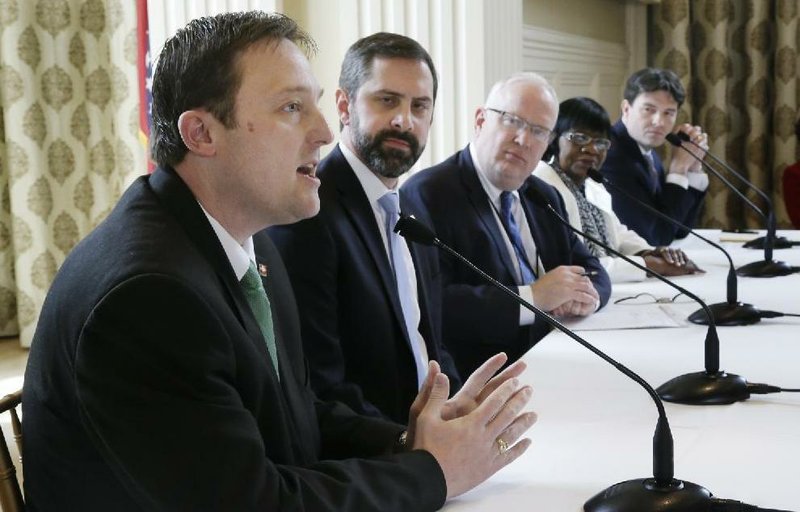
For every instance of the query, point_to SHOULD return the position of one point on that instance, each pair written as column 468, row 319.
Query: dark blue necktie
column 506, row 216
column 654, row 177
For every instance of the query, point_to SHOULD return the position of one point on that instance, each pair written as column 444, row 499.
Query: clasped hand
column 684, row 161
column 462, row 432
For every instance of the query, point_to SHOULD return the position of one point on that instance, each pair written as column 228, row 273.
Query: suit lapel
column 484, row 211
column 354, row 202
column 295, row 417
column 300, row 421
column 177, row 198
column 652, row 183
column 533, row 215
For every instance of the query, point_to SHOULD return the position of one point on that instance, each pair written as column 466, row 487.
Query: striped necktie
column 526, row 273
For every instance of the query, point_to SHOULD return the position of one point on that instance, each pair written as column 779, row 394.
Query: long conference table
column 595, row 425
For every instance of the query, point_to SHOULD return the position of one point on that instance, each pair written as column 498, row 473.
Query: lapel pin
column 262, row 270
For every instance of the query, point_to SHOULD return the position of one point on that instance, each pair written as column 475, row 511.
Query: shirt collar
column 372, row 185
column 239, row 256
column 491, row 191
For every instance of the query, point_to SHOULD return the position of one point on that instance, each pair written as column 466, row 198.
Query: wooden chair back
column 10, row 492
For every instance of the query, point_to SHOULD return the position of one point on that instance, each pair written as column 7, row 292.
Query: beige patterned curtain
column 738, row 59
column 68, row 137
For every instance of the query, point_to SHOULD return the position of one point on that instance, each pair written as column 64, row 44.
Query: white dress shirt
column 374, row 190
column 526, row 317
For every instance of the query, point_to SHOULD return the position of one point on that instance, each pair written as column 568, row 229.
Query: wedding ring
column 502, row 446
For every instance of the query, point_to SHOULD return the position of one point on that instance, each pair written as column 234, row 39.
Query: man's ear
column 197, row 128
column 343, row 107
column 625, row 107
column 480, row 118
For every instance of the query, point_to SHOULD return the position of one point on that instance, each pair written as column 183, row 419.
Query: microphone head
column 683, row 136
column 595, row 175
column 538, row 198
column 412, row 229
column 674, row 139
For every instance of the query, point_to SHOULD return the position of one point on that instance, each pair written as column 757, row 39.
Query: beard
column 391, row 162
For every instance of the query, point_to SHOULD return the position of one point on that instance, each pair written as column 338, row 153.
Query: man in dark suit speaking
column 167, row 372
column 478, row 203
column 370, row 303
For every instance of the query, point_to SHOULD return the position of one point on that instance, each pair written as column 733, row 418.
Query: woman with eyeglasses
column 581, row 142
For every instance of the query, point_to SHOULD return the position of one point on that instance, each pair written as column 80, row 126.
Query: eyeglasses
column 581, row 139
column 647, row 298
column 516, row 123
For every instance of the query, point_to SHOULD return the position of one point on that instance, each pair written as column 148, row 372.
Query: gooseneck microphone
column 662, row 493
column 768, row 267
column 778, row 242
column 710, row 387
column 731, row 312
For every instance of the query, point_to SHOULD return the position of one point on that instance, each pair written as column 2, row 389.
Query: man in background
column 650, row 107
column 480, row 202
column 167, row 372
column 370, row 304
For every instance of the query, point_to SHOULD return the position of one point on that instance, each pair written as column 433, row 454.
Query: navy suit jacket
column 149, row 386
column 480, row 320
column 355, row 337
column 627, row 168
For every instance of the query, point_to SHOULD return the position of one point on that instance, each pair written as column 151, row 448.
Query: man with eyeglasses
column 478, row 201
column 652, row 98
column 580, row 144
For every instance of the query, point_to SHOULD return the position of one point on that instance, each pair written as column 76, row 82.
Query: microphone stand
column 711, row 387
column 778, row 242
column 731, row 312
column 768, row 267
column 662, row 493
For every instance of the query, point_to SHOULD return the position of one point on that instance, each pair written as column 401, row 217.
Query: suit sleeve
column 311, row 259
column 156, row 374
column 675, row 201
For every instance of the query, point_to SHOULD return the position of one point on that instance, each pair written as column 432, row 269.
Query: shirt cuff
column 526, row 316
column 698, row 180
column 678, row 179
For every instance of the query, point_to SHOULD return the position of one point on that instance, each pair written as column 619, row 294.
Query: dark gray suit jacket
column 149, row 386
column 627, row 168
column 479, row 319
column 353, row 330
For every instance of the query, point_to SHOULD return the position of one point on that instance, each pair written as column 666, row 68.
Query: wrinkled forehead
column 531, row 101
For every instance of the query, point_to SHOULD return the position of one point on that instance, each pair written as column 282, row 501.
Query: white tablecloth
column 596, row 426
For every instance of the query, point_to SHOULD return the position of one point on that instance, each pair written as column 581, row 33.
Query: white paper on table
column 627, row 316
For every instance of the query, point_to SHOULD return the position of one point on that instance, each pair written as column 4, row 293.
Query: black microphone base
column 758, row 243
column 765, row 268
column 704, row 388
column 725, row 313
column 645, row 495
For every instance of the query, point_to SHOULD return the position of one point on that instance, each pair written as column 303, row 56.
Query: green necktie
column 259, row 303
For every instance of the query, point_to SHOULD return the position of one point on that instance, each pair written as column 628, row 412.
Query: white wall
column 165, row 17
column 473, row 44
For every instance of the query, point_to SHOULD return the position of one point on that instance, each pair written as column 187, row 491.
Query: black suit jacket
column 626, row 167
column 355, row 337
column 149, row 386
column 480, row 320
